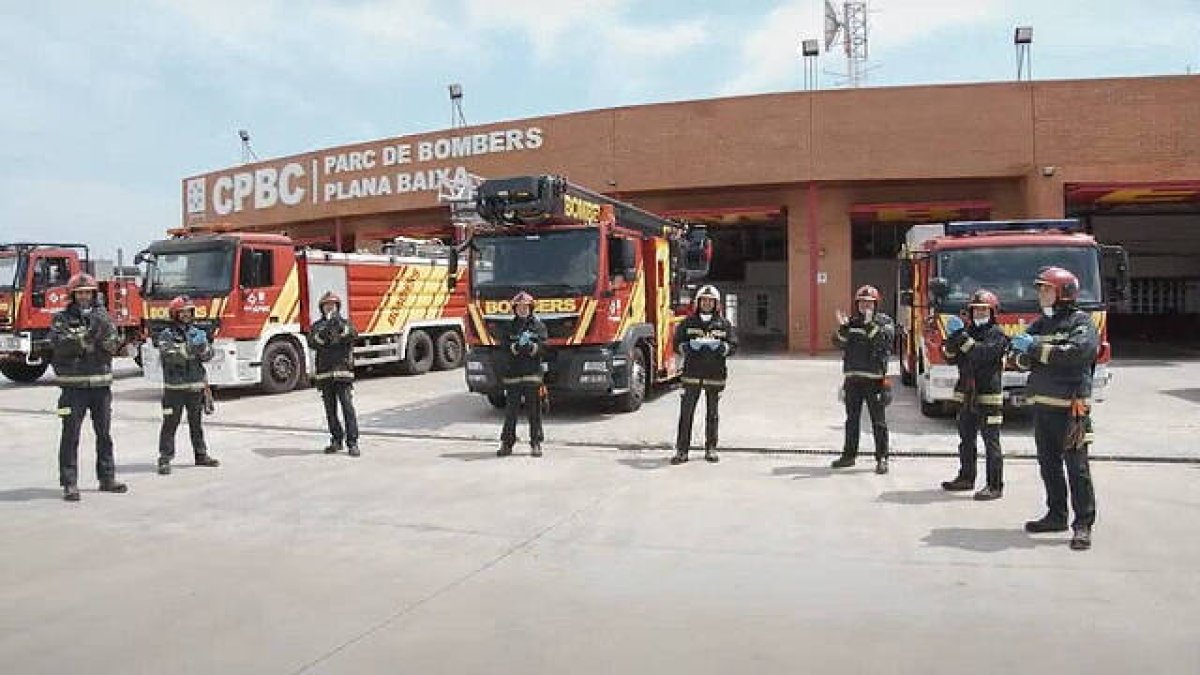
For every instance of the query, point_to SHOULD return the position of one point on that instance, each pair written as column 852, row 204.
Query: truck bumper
column 581, row 372
column 225, row 369
column 20, row 347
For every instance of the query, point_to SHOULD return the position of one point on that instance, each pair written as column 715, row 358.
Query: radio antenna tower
column 850, row 25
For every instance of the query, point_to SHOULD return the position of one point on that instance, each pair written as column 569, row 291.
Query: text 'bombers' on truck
column 256, row 295
column 941, row 265
column 609, row 280
column 33, row 287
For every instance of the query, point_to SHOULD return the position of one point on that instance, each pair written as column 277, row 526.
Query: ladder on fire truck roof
column 459, row 195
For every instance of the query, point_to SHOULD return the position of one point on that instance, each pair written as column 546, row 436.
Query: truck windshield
column 1009, row 273
column 564, row 263
column 202, row 272
column 8, row 271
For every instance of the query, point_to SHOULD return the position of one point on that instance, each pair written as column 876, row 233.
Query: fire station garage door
column 750, row 264
column 1159, row 226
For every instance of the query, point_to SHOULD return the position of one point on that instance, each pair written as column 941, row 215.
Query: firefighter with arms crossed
column 866, row 342
column 1060, row 349
column 978, row 350
column 332, row 337
column 523, row 339
column 706, row 339
column 84, row 340
column 183, row 349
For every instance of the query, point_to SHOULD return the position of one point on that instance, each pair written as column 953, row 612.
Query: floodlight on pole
column 809, row 50
column 457, row 118
column 1022, row 40
column 247, row 151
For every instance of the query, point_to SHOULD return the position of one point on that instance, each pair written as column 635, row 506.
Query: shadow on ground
column 986, row 540
column 293, row 451
column 29, row 494
column 923, row 497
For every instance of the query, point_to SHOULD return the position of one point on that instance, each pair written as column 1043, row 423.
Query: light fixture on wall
column 1049, row 171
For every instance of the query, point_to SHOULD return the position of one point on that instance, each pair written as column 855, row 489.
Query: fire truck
column 942, row 264
column 610, row 282
column 256, row 295
column 33, row 286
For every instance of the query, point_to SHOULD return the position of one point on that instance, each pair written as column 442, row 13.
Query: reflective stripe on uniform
column 871, row 333
column 702, row 382
column 861, row 373
column 990, row 399
column 63, row 412
column 334, row 374
column 994, row 419
column 967, row 345
column 167, row 412
column 185, row 386
column 84, row 379
column 524, row 379
column 1044, row 356
column 1050, row 401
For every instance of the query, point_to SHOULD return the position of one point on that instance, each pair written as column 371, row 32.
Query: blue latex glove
column 196, row 337
column 1022, row 342
column 954, row 324
column 695, row 345
column 524, row 339
column 715, row 345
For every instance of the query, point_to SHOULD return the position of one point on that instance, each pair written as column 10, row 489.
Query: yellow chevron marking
column 585, row 321
column 480, row 326
column 285, row 307
column 636, row 311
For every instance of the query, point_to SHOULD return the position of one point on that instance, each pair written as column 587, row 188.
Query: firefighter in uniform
column 183, row 349
column 706, row 339
column 866, row 343
column 978, row 350
column 84, row 340
column 523, row 338
column 1060, row 349
column 332, row 337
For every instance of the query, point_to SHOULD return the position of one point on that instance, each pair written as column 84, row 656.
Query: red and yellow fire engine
column 33, row 286
column 942, row 264
column 256, row 295
column 610, row 281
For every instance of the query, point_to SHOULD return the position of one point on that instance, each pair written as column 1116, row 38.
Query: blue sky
column 107, row 106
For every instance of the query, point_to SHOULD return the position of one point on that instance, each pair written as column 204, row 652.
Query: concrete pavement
column 430, row 555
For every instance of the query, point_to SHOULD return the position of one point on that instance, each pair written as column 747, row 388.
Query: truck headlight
column 594, row 378
column 475, row 366
column 595, row 367
column 477, row 378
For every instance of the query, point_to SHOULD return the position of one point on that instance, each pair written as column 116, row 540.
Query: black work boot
column 207, row 460
column 881, row 465
column 1046, row 523
column 505, row 449
column 680, row 457
column 164, row 466
column 535, row 449
column 112, row 485
column 710, row 455
column 959, row 484
column 843, row 462
column 352, row 450
column 333, row 448
column 70, row 493
column 1082, row 540
column 989, row 493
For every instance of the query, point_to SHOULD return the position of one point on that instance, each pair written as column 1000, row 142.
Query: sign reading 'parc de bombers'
column 387, row 169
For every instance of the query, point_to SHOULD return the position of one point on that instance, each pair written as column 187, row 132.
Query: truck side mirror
column 1116, row 260
column 906, row 298
column 939, row 289
column 38, row 299
column 452, row 272
column 697, row 254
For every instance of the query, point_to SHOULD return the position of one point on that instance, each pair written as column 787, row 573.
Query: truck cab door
column 47, row 283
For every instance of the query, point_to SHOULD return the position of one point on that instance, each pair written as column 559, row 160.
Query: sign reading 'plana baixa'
column 376, row 171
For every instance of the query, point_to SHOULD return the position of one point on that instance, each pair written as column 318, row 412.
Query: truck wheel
column 639, row 380
column 22, row 372
column 418, row 357
column 497, row 400
column 448, row 351
column 281, row 368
